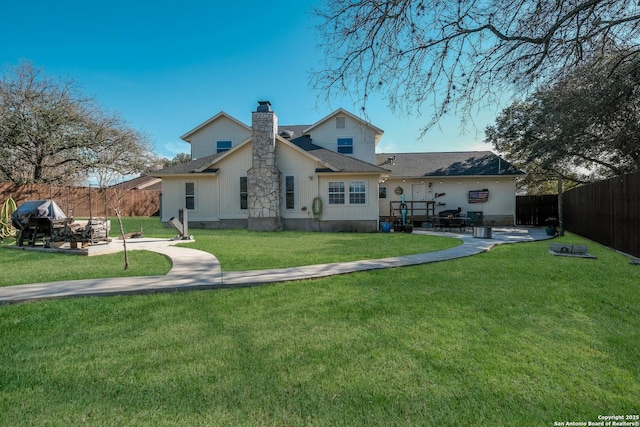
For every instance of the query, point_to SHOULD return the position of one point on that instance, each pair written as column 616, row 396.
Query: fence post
column 560, row 213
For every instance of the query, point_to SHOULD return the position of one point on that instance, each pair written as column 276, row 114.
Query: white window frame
column 188, row 196
column 358, row 197
column 292, row 192
column 351, row 147
column 337, row 193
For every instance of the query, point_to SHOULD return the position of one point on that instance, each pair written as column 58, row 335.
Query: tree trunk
column 124, row 240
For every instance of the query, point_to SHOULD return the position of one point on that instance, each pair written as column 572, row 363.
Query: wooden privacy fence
column 607, row 212
column 535, row 210
column 86, row 201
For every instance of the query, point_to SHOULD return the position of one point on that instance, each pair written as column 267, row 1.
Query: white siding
column 502, row 194
column 292, row 162
column 203, row 142
column 218, row 196
column 231, row 169
column 347, row 211
column 206, row 200
column 326, row 135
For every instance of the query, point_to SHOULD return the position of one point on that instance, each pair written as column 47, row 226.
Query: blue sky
column 166, row 67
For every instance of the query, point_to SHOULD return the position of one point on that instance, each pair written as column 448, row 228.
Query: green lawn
column 237, row 250
column 511, row 337
column 21, row 267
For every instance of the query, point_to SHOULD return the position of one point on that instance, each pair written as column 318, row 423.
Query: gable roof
column 336, row 162
column 187, row 136
column 447, row 164
column 286, row 131
column 342, row 111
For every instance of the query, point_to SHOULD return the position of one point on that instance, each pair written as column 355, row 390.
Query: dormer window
column 340, row 122
column 345, row 145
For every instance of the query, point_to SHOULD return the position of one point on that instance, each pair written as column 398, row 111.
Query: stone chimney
column 263, row 179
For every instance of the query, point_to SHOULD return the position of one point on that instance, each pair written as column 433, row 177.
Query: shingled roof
column 337, row 162
column 143, row 182
column 291, row 131
column 194, row 166
column 448, row 164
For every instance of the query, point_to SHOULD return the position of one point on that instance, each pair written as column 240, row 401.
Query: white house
column 477, row 183
column 320, row 177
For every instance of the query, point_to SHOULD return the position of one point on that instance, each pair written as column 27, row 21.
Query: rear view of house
column 324, row 177
column 271, row 177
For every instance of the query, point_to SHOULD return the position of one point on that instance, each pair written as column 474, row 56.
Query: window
column 289, row 189
column 222, row 146
column 345, row 145
column 243, row 192
column 336, row 193
column 357, row 193
column 190, row 195
column 340, row 122
column 382, row 192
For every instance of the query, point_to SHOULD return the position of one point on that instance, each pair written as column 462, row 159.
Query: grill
column 43, row 222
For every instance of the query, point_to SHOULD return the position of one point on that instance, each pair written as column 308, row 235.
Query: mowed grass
column 22, row 267
column 511, row 337
column 237, row 250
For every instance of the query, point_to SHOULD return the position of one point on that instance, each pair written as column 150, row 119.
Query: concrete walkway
column 195, row 269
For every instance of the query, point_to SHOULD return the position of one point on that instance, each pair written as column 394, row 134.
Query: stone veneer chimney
column 263, row 179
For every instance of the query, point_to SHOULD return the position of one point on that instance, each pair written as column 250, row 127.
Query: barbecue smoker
column 42, row 221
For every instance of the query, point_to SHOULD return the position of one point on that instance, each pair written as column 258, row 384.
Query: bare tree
column 49, row 131
column 456, row 56
column 123, row 153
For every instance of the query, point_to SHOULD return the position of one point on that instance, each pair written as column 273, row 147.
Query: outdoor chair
column 457, row 223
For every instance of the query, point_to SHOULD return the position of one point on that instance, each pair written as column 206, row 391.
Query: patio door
column 417, row 192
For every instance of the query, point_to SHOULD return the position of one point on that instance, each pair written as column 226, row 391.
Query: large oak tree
column 584, row 127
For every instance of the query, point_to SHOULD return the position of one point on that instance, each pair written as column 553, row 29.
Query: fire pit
column 482, row 232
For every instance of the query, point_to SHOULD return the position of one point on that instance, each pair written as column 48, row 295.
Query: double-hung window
column 336, row 193
column 290, row 192
column 357, row 193
column 222, row 146
column 345, row 145
column 190, row 195
column 243, row 192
